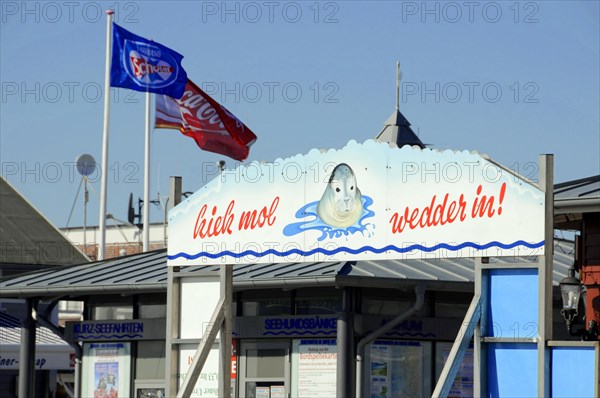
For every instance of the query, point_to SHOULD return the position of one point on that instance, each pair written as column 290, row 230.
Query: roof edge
column 42, row 216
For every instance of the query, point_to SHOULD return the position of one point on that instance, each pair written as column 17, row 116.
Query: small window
column 318, row 305
column 110, row 307
column 150, row 361
column 384, row 307
column 266, row 307
column 70, row 306
column 152, row 311
column 116, row 312
column 265, row 362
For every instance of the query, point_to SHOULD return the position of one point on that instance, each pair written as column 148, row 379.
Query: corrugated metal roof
column 27, row 237
column 147, row 272
column 10, row 332
column 573, row 199
column 139, row 272
column 583, row 188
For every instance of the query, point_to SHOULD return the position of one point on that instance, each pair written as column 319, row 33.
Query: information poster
column 277, row 392
column 314, row 364
column 463, row 382
column 208, row 381
column 396, row 369
column 263, row 392
column 106, row 370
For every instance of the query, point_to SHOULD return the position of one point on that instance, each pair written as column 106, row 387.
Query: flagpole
column 146, row 246
column 104, row 165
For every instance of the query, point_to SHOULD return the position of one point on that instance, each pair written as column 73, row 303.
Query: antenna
column 132, row 215
column 86, row 165
column 130, row 211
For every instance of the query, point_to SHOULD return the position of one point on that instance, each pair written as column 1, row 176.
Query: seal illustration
column 341, row 204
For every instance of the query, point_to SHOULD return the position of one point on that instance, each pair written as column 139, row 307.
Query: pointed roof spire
column 398, row 78
column 397, row 128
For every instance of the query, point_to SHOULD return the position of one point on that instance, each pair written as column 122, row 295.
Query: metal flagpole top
column 109, row 12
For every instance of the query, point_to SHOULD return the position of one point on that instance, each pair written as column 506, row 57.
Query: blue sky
column 509, row 79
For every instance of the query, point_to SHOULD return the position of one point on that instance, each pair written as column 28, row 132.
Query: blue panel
column 573, row 371
column 513, row 303
column 512, row 370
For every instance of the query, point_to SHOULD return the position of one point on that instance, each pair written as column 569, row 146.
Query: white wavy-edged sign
column 365, row 201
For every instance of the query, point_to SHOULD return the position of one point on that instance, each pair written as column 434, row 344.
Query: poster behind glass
column 207, row 384
column 396, row 368
column 462, row 387
column 106, row 370
column 314, row 363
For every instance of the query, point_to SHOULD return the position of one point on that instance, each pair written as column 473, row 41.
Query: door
column 264, row 369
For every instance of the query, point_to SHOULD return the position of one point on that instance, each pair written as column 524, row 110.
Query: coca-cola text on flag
column 210, row 124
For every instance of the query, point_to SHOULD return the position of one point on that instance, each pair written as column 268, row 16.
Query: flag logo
column 148, row 66
column 145, row 65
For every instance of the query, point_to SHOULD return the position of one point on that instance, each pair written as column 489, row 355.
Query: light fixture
column 570, row 289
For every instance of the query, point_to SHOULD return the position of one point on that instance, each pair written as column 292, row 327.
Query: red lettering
column 142, row 67
column 438, row 214
column 484, row 206
column 413, row 217
column 214, row 226
column 271, row 218
column 198, row 230
column 462, row 206
column 425, row 220
column 451, row 214
column 431, row 215
column 397, row 223
column 257, row 219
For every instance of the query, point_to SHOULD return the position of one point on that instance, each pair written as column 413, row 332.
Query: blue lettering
column 300, row 323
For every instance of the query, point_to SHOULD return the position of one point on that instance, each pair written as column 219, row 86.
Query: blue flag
column 144, row 65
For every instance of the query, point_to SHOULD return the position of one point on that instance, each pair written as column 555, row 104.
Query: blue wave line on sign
column 312, row 222
column 363, row 249
column 300, row 333
column 105, row 336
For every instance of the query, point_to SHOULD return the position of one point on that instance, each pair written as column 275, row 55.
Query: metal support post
column 345, row 337
column 545, row 265
column 27, row 355
column 479, row 349
column 226, row 330
column 171, row 350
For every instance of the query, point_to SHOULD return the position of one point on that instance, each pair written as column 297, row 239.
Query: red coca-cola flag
column 210, row 124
